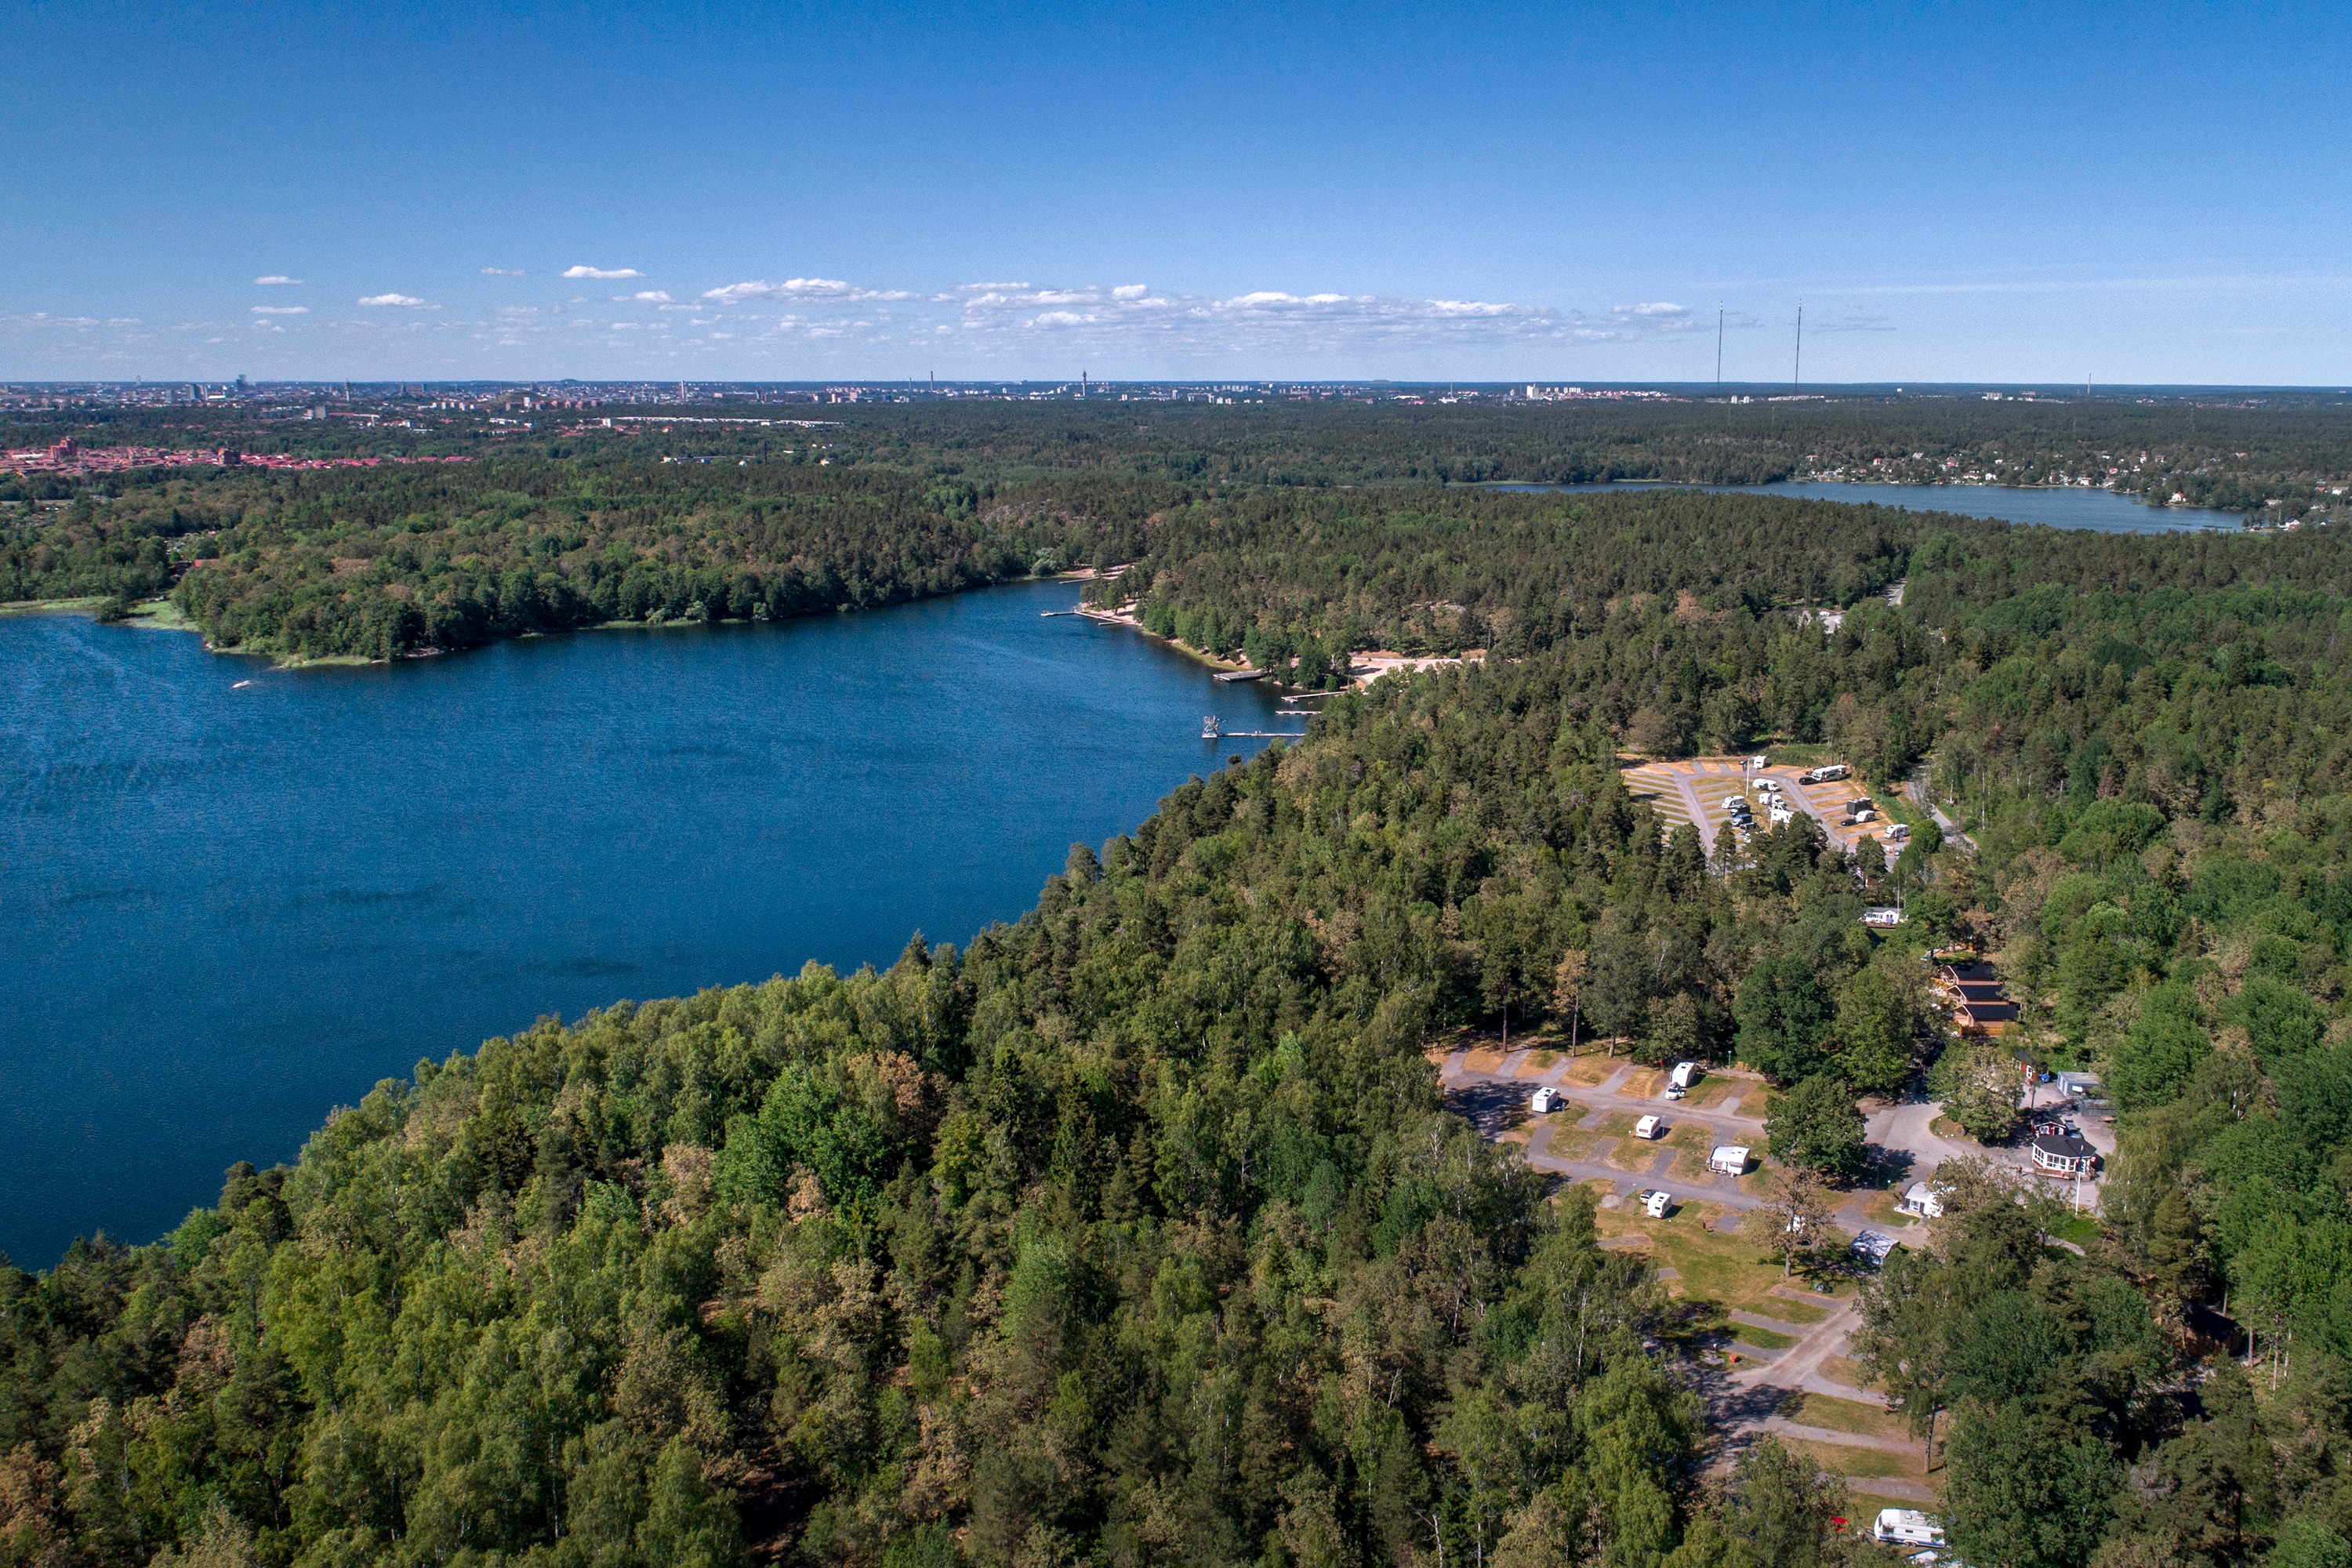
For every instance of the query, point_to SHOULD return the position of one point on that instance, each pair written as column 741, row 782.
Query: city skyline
column 1973, row 195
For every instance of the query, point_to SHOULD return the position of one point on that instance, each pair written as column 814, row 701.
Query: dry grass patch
column 1647, row 1083
column 1538, row 1062
column 1483, row 1058
column 1591, row 1069
column 1717, row 1093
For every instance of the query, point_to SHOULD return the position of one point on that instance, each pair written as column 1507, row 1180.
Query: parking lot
column 1700, row 790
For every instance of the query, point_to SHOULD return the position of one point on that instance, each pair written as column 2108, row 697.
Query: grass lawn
column 1862, row 1463
column 163, row 615
column 1690, row 1164
column 2080, row 1228
column 1538, row 1062
column 1569, row 1142
column 1846, row 1416
column 1839, row 1369
column 1789, row 1309
column 1880, row 1207
column 1729, row 1273
column 1762, row 1339
column 1589, row 1067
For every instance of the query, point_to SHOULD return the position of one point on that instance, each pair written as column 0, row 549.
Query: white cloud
column 1660, row 312
column 648, row 296
column 501, row 271
column 410, row 301
column 281, row 309
column 276, row 278
column 811, row 289
column 603, row 272
column 1130, row 291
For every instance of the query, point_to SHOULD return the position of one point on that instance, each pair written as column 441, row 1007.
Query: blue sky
column 1556, row 192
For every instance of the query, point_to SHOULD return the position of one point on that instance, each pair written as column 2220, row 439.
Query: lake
column 2054, row 508
column 226, row 911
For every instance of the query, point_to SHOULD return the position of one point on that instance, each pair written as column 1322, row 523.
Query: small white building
column 1728, row 1160
column 1921, row 1200
column 1882, row 915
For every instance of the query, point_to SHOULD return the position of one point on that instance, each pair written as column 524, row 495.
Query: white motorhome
column 1685, row 1074
column 1906, row 1527
column 1655, row 1204
column 1545, row 1099
column 1650, row 1127
column 1825, row 774
column 1728, row 1160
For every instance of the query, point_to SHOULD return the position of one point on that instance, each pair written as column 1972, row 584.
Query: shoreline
column 163, row 615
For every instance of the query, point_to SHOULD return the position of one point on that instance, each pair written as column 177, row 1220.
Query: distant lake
column 225, row 911
column 2054, row 507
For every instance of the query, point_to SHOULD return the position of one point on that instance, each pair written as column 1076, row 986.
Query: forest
column 571, row 527
column 1138, row 1231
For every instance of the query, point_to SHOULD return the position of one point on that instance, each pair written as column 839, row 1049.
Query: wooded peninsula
column 1142, row 1230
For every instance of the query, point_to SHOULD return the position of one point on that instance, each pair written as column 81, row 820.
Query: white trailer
column 1546, row 1099
column 1685, row 1074
column 1906, row 1527
column 1650, row 1127
column 1728, row 1160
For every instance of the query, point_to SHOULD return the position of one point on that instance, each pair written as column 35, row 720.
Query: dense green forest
column 1136, row 1231
column 555, row 529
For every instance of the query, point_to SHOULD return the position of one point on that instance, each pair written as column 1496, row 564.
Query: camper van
column 1906, row 1527
column 1825, row 774
column 1728, row 1160
column 1655, row 1204
column 1650, row 1127
column 1685, row 1075
column 1545, row 1099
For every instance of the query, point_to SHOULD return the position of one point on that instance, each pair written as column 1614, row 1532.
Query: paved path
column 1916, row 786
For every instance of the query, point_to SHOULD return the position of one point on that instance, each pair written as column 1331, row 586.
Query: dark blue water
column 2101, row 509
column 225, row 911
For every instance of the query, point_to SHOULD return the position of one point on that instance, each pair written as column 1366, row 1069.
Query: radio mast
column 1797, row 373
